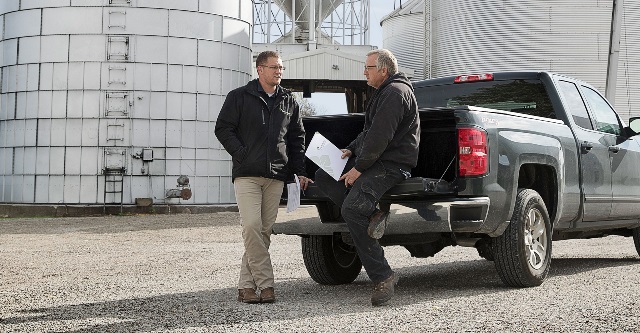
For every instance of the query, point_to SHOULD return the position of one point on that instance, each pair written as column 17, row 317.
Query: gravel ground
column 177, row 273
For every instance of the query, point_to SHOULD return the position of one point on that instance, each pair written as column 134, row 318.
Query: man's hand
column 345, row 153
column 304, row 182
column 350, row 177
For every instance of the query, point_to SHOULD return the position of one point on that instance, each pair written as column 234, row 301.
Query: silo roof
column 412, row 7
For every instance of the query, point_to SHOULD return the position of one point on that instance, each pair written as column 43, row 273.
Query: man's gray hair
column 386, row 59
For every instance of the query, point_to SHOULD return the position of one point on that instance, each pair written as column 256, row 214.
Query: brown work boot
column 377, row 224
column 383, row 291
column 248, row 295
column 267, row 295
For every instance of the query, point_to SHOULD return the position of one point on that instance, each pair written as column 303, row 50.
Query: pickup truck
column 508, row 163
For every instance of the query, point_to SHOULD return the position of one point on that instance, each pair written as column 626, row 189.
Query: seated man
column 382, row 156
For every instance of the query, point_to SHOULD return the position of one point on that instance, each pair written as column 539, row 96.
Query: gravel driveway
column 177, row 273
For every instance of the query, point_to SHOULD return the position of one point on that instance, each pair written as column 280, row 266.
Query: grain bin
column 106, row 101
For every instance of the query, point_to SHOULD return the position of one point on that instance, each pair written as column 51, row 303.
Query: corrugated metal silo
column 402, row 30
column 627, row 101
column 105, row 101
column 565, row 36
column 480, row 35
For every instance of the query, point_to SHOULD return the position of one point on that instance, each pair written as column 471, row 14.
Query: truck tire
column 523, row 252
column 329, row 212
column 636, row 239
column 329, row 260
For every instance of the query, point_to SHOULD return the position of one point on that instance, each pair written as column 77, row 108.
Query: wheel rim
column 535, row 239
column 345, row 254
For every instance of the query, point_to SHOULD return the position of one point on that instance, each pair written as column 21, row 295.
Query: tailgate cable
column 447, row 169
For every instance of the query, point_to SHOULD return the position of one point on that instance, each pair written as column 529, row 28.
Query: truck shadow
column 297, row 298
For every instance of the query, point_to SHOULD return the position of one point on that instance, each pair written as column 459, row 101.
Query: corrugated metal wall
column 627, row 101
column 564, row 36
column 491, row 35
column 400, row 31
column 88, row 84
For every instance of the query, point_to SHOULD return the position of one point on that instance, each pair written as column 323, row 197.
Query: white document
column 326, row 155
column 293, row 195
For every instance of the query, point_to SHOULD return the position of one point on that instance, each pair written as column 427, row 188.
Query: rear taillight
column 473, row 78
column 472, row 152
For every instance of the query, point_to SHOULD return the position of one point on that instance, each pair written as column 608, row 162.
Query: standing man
column 385, row 152
column 260, row 127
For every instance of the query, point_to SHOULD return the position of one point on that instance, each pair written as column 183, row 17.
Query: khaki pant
column 258, row 201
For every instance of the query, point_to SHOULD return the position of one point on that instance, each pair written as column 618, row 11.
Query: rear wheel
column 523, row 252
column 329, row 260
column 636, row 239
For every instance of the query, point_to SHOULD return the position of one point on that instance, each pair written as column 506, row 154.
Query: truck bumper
column 461, row 215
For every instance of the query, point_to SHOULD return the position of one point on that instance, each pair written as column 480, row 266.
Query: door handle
column 586, row 147
column 614, row 149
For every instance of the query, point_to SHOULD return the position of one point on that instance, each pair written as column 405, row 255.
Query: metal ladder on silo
column 113, row 179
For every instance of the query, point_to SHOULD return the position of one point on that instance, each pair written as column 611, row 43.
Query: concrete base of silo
column 14, row 210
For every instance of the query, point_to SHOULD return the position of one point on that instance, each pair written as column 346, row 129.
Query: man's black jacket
column 391, row 127
column 263, row 142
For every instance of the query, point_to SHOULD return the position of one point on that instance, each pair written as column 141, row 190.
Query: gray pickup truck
column 508, row 163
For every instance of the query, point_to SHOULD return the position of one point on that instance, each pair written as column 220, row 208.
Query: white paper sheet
column 293, row 195
column 326, row 155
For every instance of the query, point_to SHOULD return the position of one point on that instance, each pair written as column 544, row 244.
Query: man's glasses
column 282, row 68
column 367, row 68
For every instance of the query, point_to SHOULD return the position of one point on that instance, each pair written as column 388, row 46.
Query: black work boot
column 377, row 224
column 383, row 291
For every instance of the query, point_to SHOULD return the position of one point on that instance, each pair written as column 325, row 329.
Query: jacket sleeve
column 389, row 114
column 296, row 142
column 357, row 142
column 226, row 129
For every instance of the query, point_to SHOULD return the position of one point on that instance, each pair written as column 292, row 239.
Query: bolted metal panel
column 30, row 50
column 187, row 5
column 151, row 49
column 29, row 4
column 10, row 53
column 56, row 189
column 200, row 25
column 88, row 189
column 22, row 24
column 71, row 21
column 87, row 3
column 30, row 157
column 72, row 189
column 7, row 6
column 89, row 162
column 56, row 160
column 72, row 160
column 183, row 51
column 210, row 52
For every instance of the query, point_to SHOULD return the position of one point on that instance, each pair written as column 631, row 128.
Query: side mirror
column 634, row 124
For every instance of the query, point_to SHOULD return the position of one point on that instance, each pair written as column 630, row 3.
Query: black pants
column 357, row 204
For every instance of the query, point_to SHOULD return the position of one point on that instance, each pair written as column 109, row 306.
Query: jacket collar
column 255, row 88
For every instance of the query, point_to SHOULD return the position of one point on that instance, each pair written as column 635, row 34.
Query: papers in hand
column 293, row 195
column 326, row 155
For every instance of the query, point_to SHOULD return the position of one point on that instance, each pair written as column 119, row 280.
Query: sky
column 329, row 103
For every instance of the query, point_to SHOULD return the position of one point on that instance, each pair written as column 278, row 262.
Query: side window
column 606, row 118
column 575, row 104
